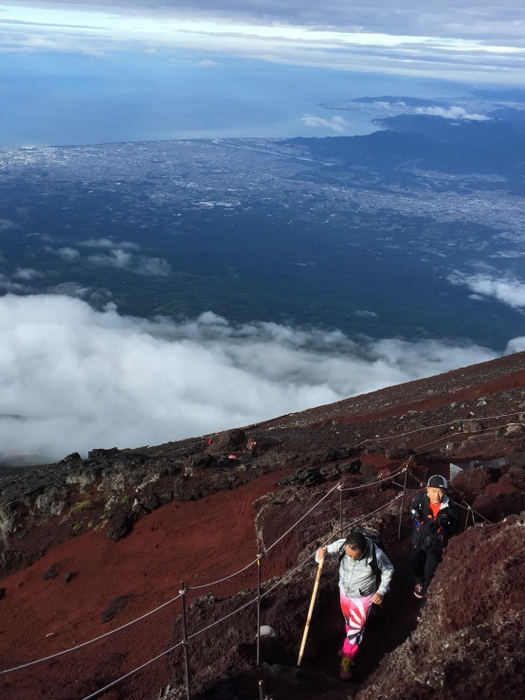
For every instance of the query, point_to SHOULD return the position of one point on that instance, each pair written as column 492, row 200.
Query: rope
column 194, row 588
column 208, row 585
column 471, row 510
column 356, row 520
column 439, row 425
column 328, row 493
column 377, row 481
column 220, row 580
column 213, row 624
column 226, row 578
column 91, row 641
column 127, row 675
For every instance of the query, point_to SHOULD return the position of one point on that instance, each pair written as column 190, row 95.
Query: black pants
column 424, row 565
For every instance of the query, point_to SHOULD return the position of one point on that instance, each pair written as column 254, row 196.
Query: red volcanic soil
column 195, row 542
column 210, row 538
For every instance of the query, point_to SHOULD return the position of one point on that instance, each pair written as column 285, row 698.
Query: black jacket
column 432, row 534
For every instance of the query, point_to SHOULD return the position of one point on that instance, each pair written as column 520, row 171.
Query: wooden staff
column 310, row 611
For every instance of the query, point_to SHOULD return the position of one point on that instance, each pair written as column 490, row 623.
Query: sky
column 87, row 72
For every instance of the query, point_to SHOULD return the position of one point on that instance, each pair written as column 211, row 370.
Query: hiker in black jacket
column 436, row 519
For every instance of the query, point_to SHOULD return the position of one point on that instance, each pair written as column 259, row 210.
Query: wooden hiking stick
column 310, row 610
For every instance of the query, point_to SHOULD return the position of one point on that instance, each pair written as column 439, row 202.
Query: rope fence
column 91, row 641
column 257, row 561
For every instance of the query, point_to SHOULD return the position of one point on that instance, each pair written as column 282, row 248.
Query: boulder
column 368, row 470
column 496, row 506
column 472, row 426
column 471, row 482
column 351, row 467
column 51, row 502
column 477, row 445
column 302, row 477
column 515, row 429
column 229, row 441
column 336, row 453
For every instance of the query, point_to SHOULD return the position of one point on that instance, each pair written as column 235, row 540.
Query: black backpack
column 375, row 537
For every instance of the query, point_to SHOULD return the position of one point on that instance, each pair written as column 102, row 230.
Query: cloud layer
column 505, row 288
column 460, row 39
column 75, row 379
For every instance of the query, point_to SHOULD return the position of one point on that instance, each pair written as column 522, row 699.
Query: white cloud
column 462, row 39
column 82, row 379
column 69, row 254
column 456, row 112
column 8, row 286
column 365, row 314
column 26, row 273
column 108, row 243
column 335, row 123
column 506, row 288
column 138, row 264
column 6, row 224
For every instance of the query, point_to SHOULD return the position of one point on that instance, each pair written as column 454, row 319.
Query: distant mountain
column 502, row 94
column 430, row 143
column 515, row 117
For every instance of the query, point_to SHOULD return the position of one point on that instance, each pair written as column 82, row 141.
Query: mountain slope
column 131, row 524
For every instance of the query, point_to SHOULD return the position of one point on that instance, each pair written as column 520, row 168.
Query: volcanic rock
column 471, row 482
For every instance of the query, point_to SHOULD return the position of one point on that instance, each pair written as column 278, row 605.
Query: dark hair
column 357, row 540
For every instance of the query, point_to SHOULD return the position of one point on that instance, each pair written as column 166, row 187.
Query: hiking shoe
column 345, row 669
column 418, row 590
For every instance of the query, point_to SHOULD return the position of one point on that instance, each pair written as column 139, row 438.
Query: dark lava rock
column 100, row 454
column 115, row 607
column 335, row 453
column 368, row 470
column 69, row 576
column 205, row 461
column 303, row 477
column 330, row 471
column 50, row 573
column 230, row 441
column 351, row 467
column 121, row 521
column 2, row 593
column 73, row 457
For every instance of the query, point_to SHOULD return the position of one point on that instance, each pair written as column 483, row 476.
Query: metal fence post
column 340, row 509
column 259, row 557
column 402, row 504
column 183, row 591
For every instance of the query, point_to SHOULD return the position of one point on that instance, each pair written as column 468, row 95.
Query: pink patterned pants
column 355, row 612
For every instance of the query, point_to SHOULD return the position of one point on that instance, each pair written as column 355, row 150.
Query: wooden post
column 310, row 611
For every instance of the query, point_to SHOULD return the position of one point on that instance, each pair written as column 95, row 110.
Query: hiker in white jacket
column 365, row 573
